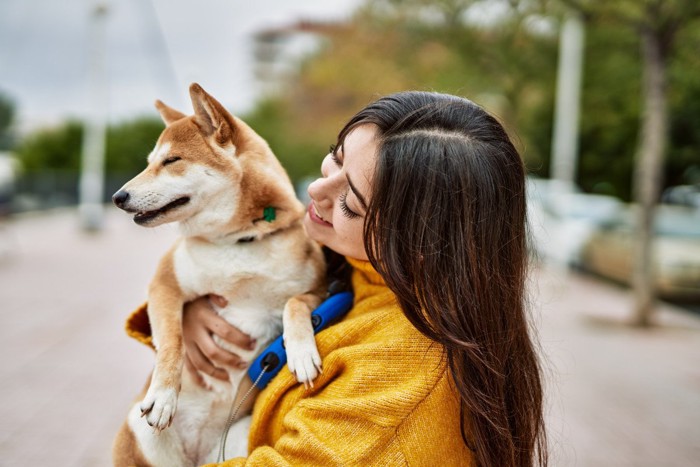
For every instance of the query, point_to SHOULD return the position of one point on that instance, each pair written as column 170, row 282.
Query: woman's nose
column 322, row 190
column 319, row 192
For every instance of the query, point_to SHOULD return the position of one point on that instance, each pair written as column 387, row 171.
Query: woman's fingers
column 219, row 326
column 218, row 356
column 199, row 325
column 196, row 375
column 218, row 300
column 202, row 352
column 204, row 365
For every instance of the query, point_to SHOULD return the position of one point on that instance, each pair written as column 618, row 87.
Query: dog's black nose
column 120, row 197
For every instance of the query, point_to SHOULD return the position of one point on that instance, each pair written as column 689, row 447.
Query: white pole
column 93, row 151
column 568, row 98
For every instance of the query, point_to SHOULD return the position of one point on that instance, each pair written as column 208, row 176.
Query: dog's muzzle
column 121, row 200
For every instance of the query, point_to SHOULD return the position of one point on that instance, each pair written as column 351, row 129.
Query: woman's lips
column 315, row 217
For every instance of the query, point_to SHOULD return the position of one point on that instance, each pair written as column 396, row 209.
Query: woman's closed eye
column 349, row 213
column 334, row 155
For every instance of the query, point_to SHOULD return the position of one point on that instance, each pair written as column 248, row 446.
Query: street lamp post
column 567, row 108
column 93, row 150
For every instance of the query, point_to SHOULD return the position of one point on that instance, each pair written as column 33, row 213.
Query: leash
column 232, row 418
column 274, row 357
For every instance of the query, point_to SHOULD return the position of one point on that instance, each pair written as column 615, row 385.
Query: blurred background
column 602, row 98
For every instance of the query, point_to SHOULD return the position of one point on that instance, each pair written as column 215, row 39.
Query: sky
column 153, row 50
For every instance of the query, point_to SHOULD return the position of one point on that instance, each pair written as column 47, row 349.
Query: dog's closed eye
column 170, row 160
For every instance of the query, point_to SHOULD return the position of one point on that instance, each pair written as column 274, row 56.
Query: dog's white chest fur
column 256, row 284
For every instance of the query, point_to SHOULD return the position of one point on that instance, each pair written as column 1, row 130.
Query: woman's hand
column 199, row 324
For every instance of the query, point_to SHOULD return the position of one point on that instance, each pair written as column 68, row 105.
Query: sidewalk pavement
column 617, row 396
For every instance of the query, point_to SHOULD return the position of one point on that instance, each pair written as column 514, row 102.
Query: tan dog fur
column 215, row 176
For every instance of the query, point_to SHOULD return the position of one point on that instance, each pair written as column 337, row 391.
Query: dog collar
column 269, row 214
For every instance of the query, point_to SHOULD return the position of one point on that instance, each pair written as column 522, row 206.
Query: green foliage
column 52, row 149
column 383, row 50
column 683, row 159
column 7, row 113
column 609, row 111
column 129, row 143
column 393, row 45
column 59, row 148
column 300, row 155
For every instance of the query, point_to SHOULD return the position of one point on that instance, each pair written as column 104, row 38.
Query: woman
column 434, row 365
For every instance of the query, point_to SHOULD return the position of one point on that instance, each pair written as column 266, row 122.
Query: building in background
column 279, row 52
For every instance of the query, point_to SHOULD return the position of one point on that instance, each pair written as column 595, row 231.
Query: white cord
column 232, row 417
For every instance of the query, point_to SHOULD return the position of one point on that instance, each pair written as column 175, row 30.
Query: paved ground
column 618, row 396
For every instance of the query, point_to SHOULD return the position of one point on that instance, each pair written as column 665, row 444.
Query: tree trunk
column 648, row 171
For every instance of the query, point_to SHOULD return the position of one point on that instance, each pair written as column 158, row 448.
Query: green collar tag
column 269, row 214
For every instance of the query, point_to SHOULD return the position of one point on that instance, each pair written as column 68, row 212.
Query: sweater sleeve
column 139, row 327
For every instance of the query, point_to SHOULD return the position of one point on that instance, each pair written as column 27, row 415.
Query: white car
column 562, row 219
column 609, row 251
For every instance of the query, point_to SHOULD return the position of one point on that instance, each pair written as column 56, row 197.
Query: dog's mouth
column 142, row 217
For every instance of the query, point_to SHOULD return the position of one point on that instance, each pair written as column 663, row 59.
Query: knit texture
column 385, row 396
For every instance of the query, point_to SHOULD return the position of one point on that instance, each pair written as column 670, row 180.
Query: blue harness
column 273, row 358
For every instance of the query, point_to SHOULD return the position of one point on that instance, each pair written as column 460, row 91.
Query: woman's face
column 340, row 197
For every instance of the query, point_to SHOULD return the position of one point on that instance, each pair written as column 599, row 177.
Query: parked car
column 686, row 195
column 562, row 219
column 7, row 181
column 609, row 252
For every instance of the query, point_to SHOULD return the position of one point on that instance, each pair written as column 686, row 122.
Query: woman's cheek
column 348, row 231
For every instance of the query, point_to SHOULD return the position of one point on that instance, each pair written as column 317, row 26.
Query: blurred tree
column 129, row 143
column 298, row 152
column 610, row 110
column 392, row 46
column 52, row 155
column 657, row 24
column 684, row 101
column 52, row 148
column 507, row 65
column 7, row 113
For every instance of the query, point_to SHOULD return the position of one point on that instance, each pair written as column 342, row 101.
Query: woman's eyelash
column 334, row 156
column 349, row 213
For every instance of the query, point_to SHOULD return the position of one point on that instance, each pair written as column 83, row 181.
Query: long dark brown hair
column 445, row 227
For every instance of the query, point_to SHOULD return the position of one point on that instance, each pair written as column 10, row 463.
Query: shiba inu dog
column 242, row 238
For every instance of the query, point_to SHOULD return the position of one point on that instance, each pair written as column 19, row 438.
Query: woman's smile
column 316, row 216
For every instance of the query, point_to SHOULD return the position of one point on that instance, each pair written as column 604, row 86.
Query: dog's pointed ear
column 168, row 114
column 211, row 117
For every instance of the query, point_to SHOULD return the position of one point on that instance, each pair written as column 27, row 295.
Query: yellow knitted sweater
column 385, row 396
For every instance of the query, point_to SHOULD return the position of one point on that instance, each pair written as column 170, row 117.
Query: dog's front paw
column 303, row 360
column 159, row 407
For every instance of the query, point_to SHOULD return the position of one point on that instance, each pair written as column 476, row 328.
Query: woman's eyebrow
column 357, row 193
